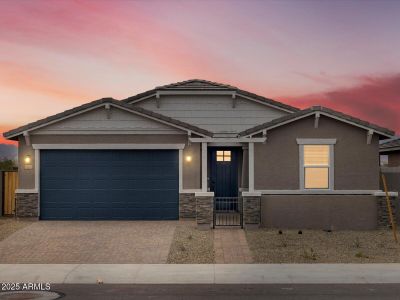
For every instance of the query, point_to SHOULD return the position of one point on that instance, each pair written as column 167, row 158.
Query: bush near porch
column 317, row 246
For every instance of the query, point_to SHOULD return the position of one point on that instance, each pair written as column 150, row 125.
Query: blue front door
column 109, row 184
column 223, row 164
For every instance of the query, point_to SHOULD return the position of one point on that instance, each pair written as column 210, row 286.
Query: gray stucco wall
column 26, row 178
column 334, row 212
column 191, row 171
column 356, row 163
column 394, row 158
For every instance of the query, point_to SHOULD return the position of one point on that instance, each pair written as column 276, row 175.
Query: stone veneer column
column 383, row 214
column 251, row 209
column 204, row 209
column 27, row 204
column 187, row 205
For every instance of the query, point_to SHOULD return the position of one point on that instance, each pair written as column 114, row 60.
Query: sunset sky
column 343, row 54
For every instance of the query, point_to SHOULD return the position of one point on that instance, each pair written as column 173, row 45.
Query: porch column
column 251, row 167
column 204, row 183
column 245, row 169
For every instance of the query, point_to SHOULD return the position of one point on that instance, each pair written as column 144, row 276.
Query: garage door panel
column 109, row 184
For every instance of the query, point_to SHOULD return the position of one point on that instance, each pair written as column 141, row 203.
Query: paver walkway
column 89, row 242
column 230, row 247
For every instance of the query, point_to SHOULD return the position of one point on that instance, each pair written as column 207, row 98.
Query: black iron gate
column 228, row 211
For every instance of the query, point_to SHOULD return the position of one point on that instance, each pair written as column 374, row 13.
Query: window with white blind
column 316, row 164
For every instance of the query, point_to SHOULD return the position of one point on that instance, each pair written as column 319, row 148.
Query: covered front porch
column 226, row 196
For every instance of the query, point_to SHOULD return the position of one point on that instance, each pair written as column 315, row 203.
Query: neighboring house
column 390, row 153
column 190, row 149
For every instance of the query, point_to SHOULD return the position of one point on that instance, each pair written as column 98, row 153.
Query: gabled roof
column 205, row 85
column 390, row 145
column 197, row 84
column 313, row 110
column 98, row 103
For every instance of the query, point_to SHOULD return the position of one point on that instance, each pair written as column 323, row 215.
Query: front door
column 224, row 171
column 224, row 182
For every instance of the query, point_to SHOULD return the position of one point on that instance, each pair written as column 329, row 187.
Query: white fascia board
column 108, row 146
column 280, row 124
column 227, row 140
column 389, row 149
column 264, row 103
column 316, row 141
column 321, row 113
column 143, row 98
column 321, row 192
column 355, row 124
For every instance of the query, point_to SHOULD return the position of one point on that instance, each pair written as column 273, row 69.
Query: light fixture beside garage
column 188, row 158
column 27, row 162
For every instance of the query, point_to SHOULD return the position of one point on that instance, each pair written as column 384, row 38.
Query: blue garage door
column 109, row 184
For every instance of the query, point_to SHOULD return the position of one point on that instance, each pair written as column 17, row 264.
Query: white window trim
column 316, row 141
column 330, row 143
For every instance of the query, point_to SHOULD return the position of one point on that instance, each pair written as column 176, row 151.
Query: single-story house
column 204, row 150
column 390, row 152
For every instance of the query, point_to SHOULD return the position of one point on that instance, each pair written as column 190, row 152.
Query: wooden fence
column 10, row 184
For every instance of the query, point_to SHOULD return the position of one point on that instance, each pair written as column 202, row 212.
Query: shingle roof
column 205, row 85
column 392, row 144
column 42, row 122
column 299, row 114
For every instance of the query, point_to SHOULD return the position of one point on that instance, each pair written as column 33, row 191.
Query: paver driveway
column 66, row 242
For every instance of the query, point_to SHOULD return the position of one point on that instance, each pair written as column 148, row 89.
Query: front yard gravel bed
column 191, row 246
column 10, row 225
column 317, row 246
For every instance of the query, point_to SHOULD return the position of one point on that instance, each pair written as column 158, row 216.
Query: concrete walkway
column 230, row 247
column 199, row 274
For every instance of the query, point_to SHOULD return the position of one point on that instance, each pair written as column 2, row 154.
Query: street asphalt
column 231, row 292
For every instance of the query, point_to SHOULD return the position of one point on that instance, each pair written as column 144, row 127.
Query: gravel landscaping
column 191, row 246
column 10, row 225
column 316, row 246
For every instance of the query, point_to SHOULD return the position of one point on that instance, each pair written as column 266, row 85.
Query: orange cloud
column 2, row 139
column 376, row 99
column 36, row 79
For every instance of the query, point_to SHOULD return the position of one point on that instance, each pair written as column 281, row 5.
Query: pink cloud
column 376, row 99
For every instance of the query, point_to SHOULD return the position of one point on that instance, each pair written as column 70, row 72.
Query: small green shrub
column 310, row 255
column 359, row 254
column 357, row 243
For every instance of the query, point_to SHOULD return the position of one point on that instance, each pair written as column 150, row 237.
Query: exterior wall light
column 27, row 162
column 188, row 158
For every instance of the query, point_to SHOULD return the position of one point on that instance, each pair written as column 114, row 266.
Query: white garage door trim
column 37, row 148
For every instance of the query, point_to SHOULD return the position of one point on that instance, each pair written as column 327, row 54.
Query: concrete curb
column 202, row 274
